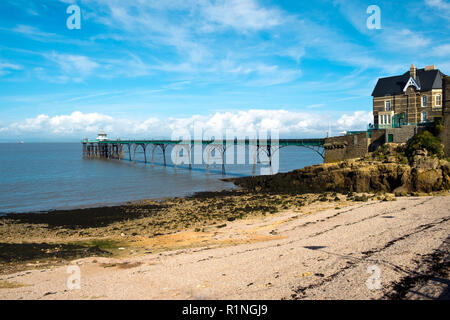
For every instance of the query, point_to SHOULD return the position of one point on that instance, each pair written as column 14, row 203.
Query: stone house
column 402, row 107
column 414, row 98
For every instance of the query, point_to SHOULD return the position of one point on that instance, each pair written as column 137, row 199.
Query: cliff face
column 424, row 175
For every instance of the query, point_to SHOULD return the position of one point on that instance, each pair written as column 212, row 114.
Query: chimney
column 412, row 71
column 428, row 68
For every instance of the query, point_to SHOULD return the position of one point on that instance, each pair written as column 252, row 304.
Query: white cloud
column 404, row 39
column 241, row 15
column 273, row 75
column 355, row 120
column 4, row 65
column 74, row 64
column 438, row 4
column 207, row 15
column 76, row 122
column 355, row 13
column 258, row 74
column 289, row 124
column 295, row 53
column 149, row 23
column 32, row 32
column 441, row 8
column 71, row 68
column 5, row 68
column 186, row 27
column 442, row 50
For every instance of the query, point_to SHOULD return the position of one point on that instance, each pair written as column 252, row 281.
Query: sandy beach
column 333, row 249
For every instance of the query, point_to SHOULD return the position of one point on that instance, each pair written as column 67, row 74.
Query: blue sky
column 144, row 68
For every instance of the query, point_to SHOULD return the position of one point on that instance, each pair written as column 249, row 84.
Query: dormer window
column 387, row 105
column 438, row 100
column 411, row 82
column 424, row 101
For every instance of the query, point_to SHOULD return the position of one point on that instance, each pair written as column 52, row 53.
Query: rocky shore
column 424, row 175
column 36, row 240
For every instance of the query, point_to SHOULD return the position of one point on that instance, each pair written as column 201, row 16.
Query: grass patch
column 102, row 244
column 11, row 285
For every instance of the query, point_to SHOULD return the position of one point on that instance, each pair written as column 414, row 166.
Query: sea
column 40, row 177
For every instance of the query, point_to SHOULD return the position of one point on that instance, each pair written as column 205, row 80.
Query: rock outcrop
column 424, row 175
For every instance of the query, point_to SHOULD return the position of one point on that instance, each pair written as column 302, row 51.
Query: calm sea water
column 48, row 176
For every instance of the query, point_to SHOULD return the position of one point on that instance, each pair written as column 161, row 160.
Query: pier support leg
column 145, row 152
column 176, row 157
column 255, row 160
column 164, row 154
column 120, row 152
column 153, row 153
column 189, row 155
column 223, row 159
column 269, row 154
column 208, row 152
column 84, row 150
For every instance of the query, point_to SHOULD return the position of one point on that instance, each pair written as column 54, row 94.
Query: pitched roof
column 427, row 80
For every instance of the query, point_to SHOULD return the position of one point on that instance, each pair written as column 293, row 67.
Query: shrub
column 382, row 150
column 424, row 141
column 438, row 126
column 402, row 159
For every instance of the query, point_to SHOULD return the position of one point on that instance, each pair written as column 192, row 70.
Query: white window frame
column 436, row 100
column 384, row 119
column 422, row 118
column 385, row 105
column 426, row 101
